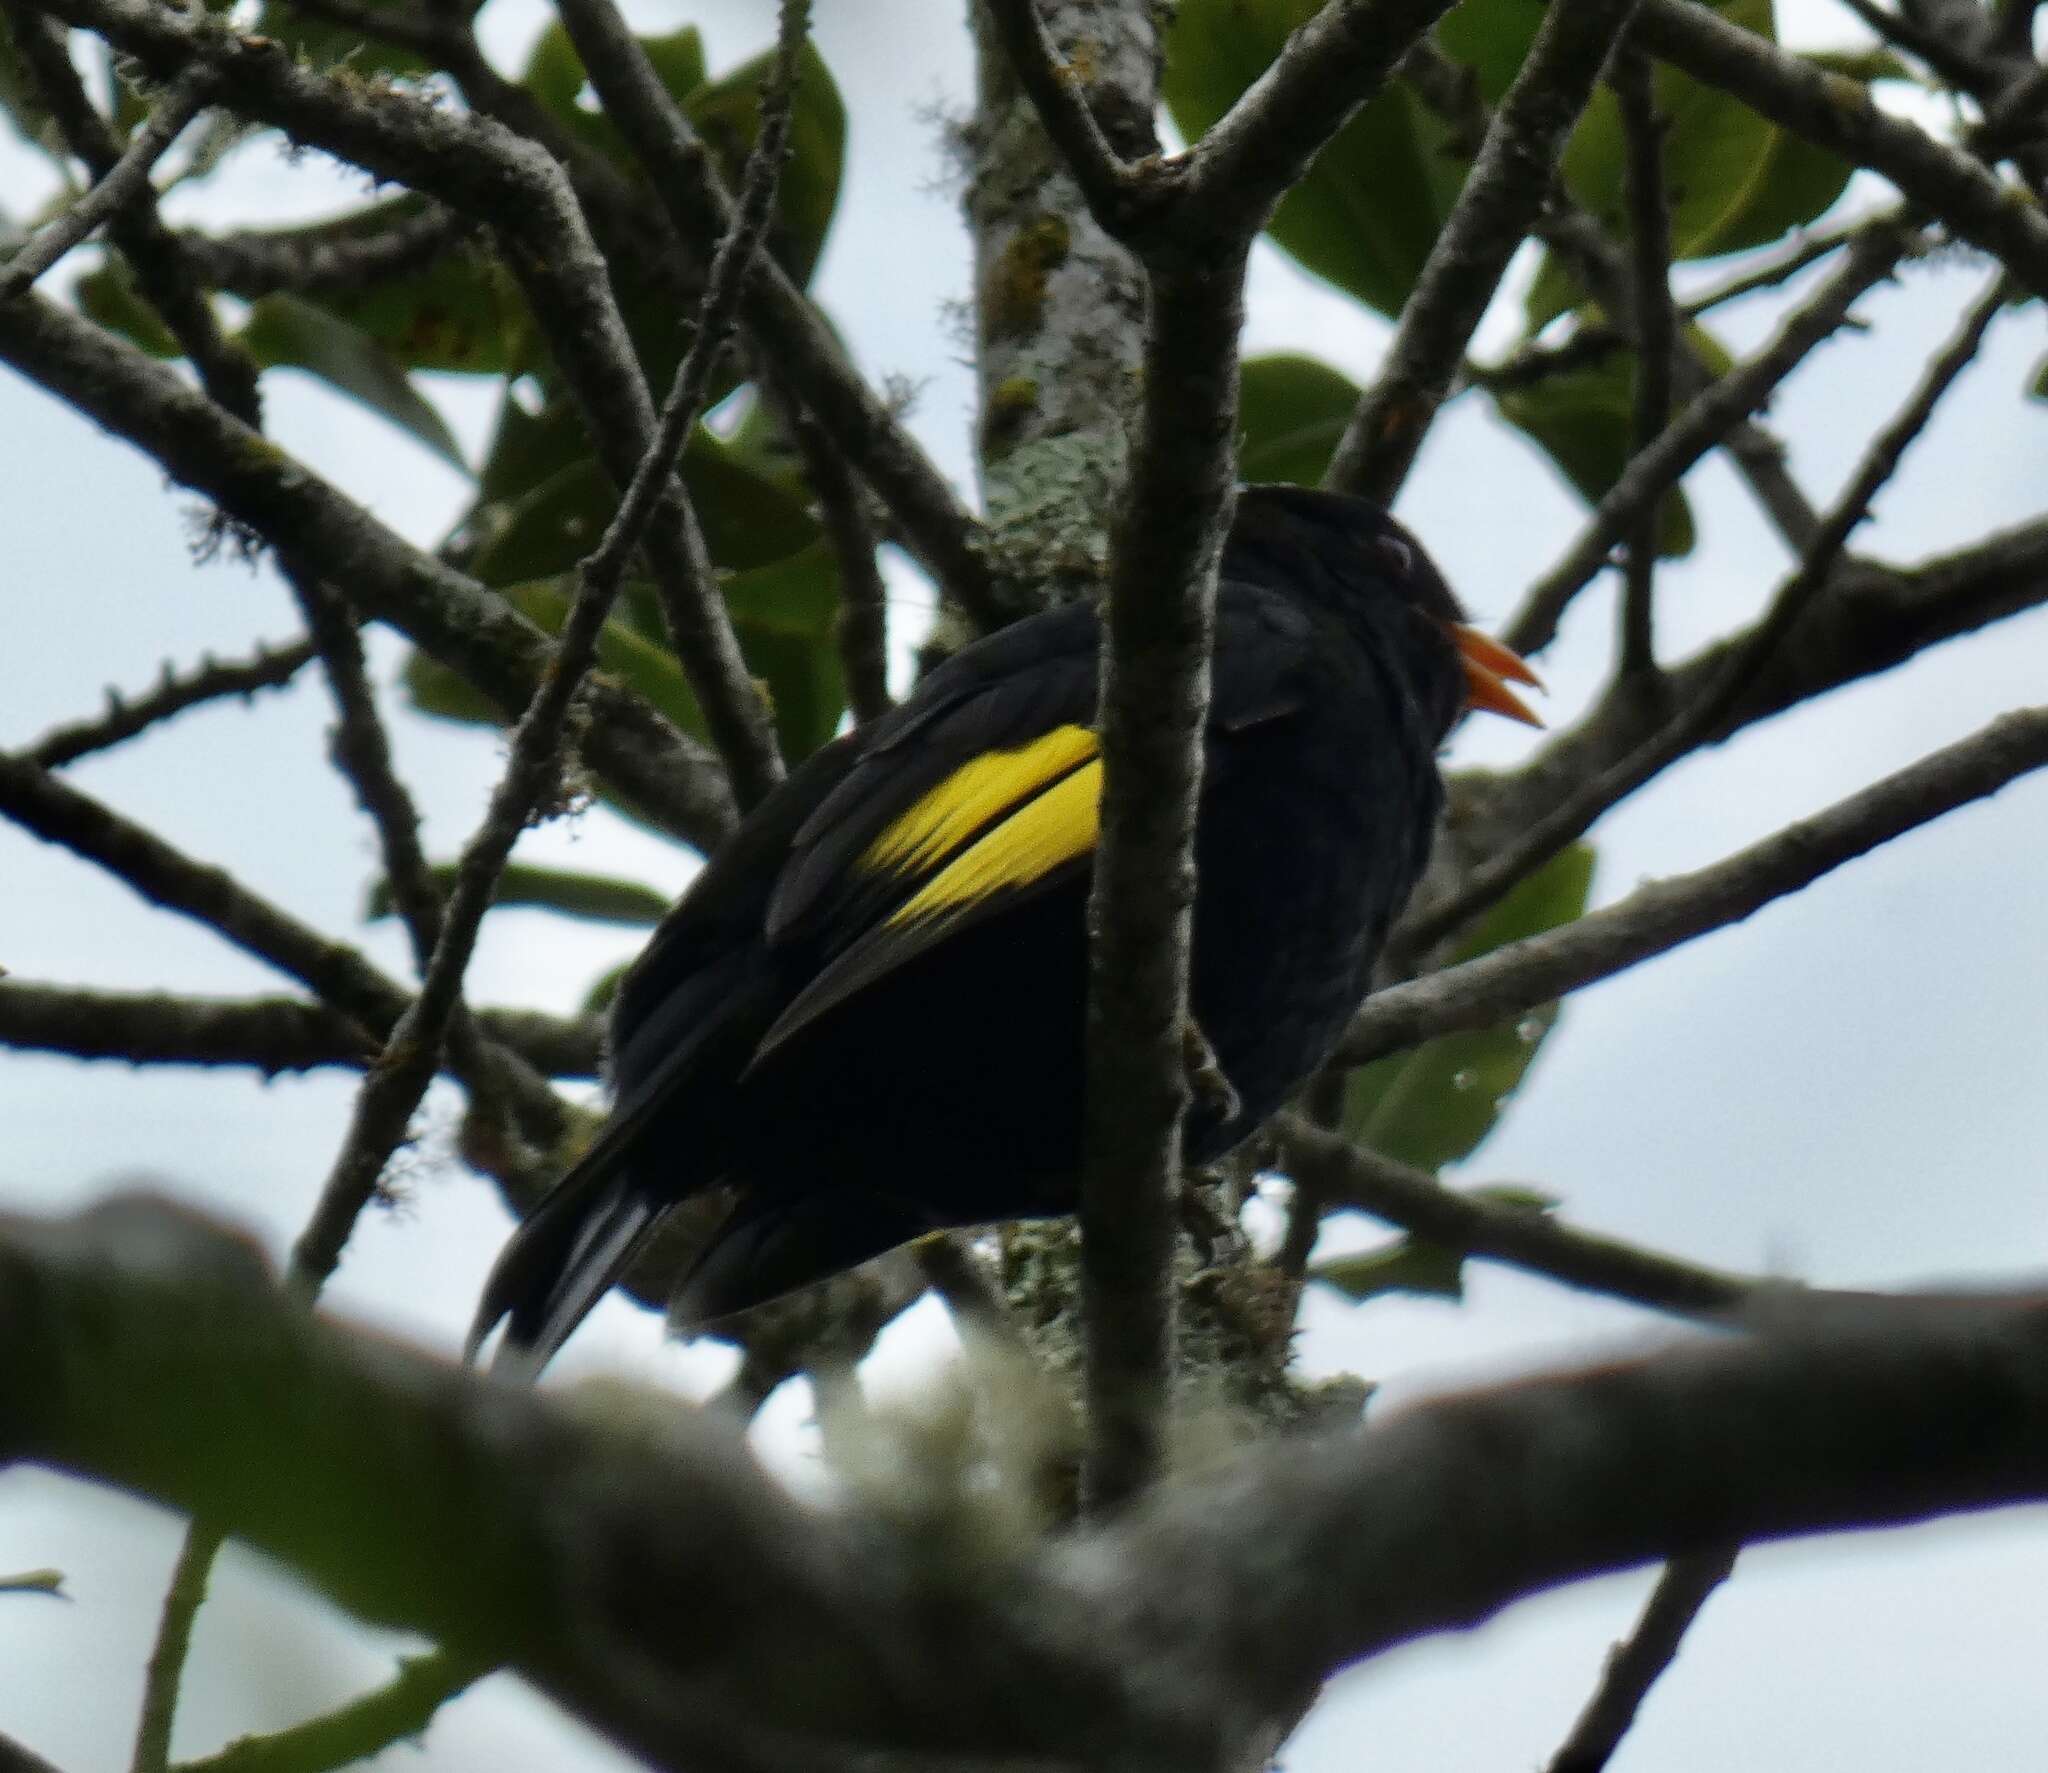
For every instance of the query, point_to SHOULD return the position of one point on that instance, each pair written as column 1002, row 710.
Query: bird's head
column 1331, row 546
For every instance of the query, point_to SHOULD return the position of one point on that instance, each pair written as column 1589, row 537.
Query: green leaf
column 285, row 332
column 604, row 990
column 1865, row 65
column 543, row 502
column 1492, row 38
column 1732, row 180
column 782, row 615
column 1584, row 420
column 555, row 76
column 324, row 45
column 1370, row 208
column 22, row 102
column 1291, row 412
column 785, row 614
column 1407, row 1265
column 600, row 898
column 461, row 312
column 726, row 113
column 108, row 295
column 1434, row 1105
column 1415, row 1264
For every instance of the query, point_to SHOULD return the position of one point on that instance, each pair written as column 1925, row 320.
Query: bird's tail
column 563, row 1260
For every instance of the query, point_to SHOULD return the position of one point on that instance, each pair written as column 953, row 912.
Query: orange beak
column 1489, row 668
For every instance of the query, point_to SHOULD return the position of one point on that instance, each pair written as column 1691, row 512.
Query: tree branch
column 1635, row 1664
column 1346, row 1175
column 1121, row 199
column 1510, row 182
column 861, row 628
column 123, row 184
column 163, row 272
column 1516, row 978
column 475, row 632
column 209, row 681
column 788, row 329
column 1230, row 181
column 328, row 258
column 499, row 1515
column 1705, row 422
column 1656, row 340
column 400, row 1709
column 1693, row 723
column 1154, row 702
column 1838, row 113
column 268, row 1034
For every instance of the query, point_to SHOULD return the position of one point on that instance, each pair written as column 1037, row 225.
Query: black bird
column 865, row 1015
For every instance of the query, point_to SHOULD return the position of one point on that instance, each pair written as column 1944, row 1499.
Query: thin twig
column 1580, row 243
column 1263, row 146
column 1634, row 1664
column 663, row 773
column 165, row 275
column 1949, row 60
column 165, row 1673
column 1344, row 1174
column 521, row 1104
column 395, row 1712
column 269, row 1034
column 935, row 526
column 122, row 185
column 1512, row 980
column 861, row 629
column 1506, row 190
column 391, row 1093
column 1704, row 423
column 697, row 621
column 1840, row 115
column 1572, row 818
column 211, row 681
column 1775, row 273
column 1650, row 257
column 60, row 813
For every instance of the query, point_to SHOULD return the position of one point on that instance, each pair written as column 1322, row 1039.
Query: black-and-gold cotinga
column 865, row 1015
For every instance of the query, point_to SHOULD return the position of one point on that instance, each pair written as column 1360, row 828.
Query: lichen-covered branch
column 1059, row 299
column 657, row 1587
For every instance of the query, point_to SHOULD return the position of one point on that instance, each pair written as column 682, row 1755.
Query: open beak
column 1489, row 668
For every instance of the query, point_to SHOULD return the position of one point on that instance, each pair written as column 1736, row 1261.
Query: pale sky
column 1847, row 1088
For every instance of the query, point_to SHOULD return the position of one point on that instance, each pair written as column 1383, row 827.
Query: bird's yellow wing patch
column 973, row 798
column 1052, row 827
column 1002, row 819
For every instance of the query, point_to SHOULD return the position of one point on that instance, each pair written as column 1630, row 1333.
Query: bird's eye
column 1397, row 553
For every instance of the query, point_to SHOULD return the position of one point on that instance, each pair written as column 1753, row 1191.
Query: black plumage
column 866, row 1013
